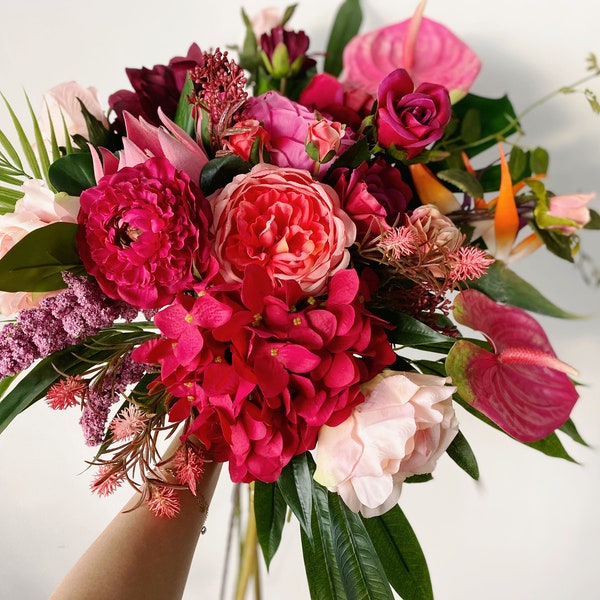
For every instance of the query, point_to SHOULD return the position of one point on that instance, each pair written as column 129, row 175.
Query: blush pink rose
column 405, row 424
column 63, row 102
column 573, row 208
column 410, row 118
column 284, row 221
column 38, row 207
column 144, row 233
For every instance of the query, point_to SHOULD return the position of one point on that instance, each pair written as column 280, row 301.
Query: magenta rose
column 284, row 221
column 409, row 118
column 143, row 231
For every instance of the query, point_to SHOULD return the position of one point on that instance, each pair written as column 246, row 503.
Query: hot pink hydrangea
column 143, row 231
column 284, row 221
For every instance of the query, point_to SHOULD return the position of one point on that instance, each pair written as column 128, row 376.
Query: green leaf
column 409, row 331
column 345, row 26
column 40, row 142
column 320, row 564
column 35, row 263
column 25, row 143
column 461, row 453
column 594, row 222
column 518, row 164
column 505, row 286
column 73, row 173
column 296, row 484
column 361, row 570
column 538, row 161
column 218, row 172
column 10, row 150
column 183, row 114
column 470, row 126
column 354, row 156
column 569, row 429
column 269, row 509
column 400, row 554
column 464, row 181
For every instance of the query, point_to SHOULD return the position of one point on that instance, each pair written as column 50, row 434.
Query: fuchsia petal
column 522, row 386
column 438, row 56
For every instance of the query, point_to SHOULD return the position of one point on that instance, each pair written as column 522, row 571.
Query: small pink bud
column 323, row 139
column 572, row 207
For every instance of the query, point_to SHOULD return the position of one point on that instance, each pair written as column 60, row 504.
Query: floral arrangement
column 300, row 270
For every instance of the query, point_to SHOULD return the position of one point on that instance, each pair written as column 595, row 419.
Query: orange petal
column 525, row 247
column 506, row 217
column 431, row 191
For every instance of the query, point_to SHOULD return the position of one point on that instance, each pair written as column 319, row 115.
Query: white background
column 529, row 529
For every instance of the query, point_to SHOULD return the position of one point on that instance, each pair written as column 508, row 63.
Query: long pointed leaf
column 32, row 161
column 345, row 27
column 10, row 149
column 295, row 484
column 461, row 453
column 40, row 143
column 269, row 510
column 400, row 554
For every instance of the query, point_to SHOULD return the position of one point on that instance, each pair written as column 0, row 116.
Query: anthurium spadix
column 520, row 385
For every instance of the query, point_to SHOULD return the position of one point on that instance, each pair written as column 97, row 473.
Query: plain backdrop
column 529, row 529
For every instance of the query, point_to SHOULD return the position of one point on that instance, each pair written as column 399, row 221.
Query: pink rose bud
column 247, row 135
column 323, row 139
column 573, row 208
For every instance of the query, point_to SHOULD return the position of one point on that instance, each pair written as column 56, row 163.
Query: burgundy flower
column 409, row 118
column 281, row 43
column 375, row 196
column 159, row 86
column 143, row 231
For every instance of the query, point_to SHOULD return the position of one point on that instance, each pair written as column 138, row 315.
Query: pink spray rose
column 284, row 221
column 63, row 102
column 405, row 424
column 323, row 139
column 38, row 207
column 143, row 232
column 409, row 118
column 573, row 208
column 243, row 136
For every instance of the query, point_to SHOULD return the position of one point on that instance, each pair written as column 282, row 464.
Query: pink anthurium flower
column 426, row 49
column 521, row 385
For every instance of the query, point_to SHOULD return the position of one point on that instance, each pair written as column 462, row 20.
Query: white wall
column 528, row 529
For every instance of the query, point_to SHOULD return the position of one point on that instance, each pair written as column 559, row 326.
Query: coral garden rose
column 405, row 424
column 243, row 137
column 410, row 118
column 143, row 232
column 284, row 221
column 38, row 206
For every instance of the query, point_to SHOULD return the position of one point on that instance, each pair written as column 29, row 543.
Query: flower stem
column 249, row 563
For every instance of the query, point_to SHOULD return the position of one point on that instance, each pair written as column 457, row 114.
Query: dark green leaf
column 218, row 172
column 569, row 429
column 424, row 478
column 409, row 331
column 500, row 120
column 73, row 173
column 183, row 114
column 35, row 263
column 269, row 509
column 400, row 554
column 353, row 157
column 518, row 164
column 503, row 285
column 361, row 569
column 464, row 181
column 461, row 453
column 563, row 246
column 296, row 484
column 594, row 222
column 322, row 571
column 470, row 125
column 345, row 26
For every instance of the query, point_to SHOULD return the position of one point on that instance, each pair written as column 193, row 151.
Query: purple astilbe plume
column 75, row 313
column 103, row 393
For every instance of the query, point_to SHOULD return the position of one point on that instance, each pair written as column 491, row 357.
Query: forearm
column 139, row 555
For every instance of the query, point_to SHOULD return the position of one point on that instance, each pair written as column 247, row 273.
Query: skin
column 140, row 556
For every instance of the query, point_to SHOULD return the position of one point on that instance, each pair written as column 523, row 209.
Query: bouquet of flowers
column 299, row 270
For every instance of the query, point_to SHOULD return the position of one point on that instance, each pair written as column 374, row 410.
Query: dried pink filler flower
column 107, row 480
column 66, row 393
column 163, row 501
column 129, row 422
column 189, row 467
column 469, row 263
